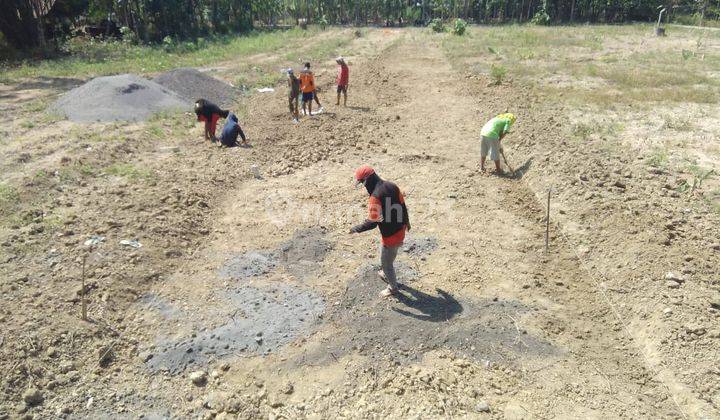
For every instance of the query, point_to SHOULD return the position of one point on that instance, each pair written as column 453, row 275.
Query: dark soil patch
column 299, row 256
column 261, row 319
column 249, row 264
column 420, row 246
column 420, row 321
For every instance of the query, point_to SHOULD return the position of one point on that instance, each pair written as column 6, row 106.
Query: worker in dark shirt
column 387, row 211
column 294, row 94
column 230, row 131
column 209, row 113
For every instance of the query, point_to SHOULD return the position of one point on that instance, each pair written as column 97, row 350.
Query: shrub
column 323, row 22
column 128, row 36
column 437, row 25
column 459, row 27
column 541, row 18
column 168, row 43
column 497, row 74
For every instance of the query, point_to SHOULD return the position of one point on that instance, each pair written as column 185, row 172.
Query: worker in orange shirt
column 307, row 86
column 387, row 211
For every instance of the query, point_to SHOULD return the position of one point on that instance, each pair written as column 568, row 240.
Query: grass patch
column 96, row 58
column 497, row 74
column 644, row 71
column 672, row 122
column 8, row 194
column 587, row 130
column 658, row 158
column 128, row 170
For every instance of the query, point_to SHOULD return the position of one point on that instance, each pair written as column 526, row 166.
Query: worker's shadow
column 522, row 170
column 432, row 308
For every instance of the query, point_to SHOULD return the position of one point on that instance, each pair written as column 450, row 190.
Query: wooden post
column 83, row 302
column 547, row 224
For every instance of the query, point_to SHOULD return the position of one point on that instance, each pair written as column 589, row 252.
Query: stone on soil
column 198, row 378
column 33, row 397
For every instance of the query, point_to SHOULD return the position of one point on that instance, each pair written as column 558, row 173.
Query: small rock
column 482, row 407
column 51, row 352
column 173, row 253
column 105, row 356
column 671, row 284
column 66, row 366
column 33, row 397
column 287, row 389
column 199, row 378
column 667, row 311
column 695, row 329
column 672, row 276
column 715, row 246
column 145, row 356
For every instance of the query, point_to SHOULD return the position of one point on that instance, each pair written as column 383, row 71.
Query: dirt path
column 486, row 317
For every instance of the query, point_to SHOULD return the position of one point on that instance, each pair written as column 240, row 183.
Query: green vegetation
column 585, row 131
column 658, row 158
column 437, row 25
column 8, row 195
column 497, row 73
column 128, row 170
column 597, row 72
column 95, row 58
column 459, row 27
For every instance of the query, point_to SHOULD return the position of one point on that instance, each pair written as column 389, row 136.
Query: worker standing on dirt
column 230, row 132
column 209, row 113
column 307, row 86
column 294, row 95
column 386, row 210
column 309, row 89
column 343, row 78
column 492, row 133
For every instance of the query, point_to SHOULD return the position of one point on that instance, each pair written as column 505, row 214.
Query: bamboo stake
column 82, row 292
column 547, row 224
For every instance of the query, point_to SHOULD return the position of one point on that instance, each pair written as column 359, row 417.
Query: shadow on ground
column 420, row 321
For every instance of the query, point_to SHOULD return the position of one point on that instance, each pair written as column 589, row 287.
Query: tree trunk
column 17, row 23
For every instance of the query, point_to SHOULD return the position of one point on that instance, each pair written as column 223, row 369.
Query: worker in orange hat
column 387, row 211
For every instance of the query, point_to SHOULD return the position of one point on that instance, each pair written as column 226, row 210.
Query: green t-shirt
column 495, row 127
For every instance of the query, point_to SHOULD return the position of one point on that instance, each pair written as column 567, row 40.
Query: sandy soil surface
column 249, row 299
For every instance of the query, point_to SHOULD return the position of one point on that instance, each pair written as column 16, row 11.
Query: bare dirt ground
column 249, row 299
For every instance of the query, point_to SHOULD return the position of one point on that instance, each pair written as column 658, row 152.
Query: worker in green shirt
column 492, row 133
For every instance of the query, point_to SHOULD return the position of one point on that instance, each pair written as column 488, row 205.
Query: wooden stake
column 547, row 224
column 82, row 292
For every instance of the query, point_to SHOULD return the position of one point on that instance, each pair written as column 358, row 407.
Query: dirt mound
column 192, row 84
column 125, row 97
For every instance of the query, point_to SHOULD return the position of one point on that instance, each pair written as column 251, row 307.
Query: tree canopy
column 29, row 24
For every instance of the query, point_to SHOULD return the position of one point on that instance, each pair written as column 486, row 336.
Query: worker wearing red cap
column 387, row 211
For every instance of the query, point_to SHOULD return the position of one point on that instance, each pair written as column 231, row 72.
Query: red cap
column 363, row 172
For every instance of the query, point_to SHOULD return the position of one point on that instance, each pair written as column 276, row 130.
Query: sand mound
column 192, row 84
column 125, row 97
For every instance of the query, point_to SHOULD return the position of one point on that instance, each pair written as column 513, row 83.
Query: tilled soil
column 279, row 304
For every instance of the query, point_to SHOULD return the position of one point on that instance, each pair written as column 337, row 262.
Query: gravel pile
column 125, row 97
column 192, row 84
